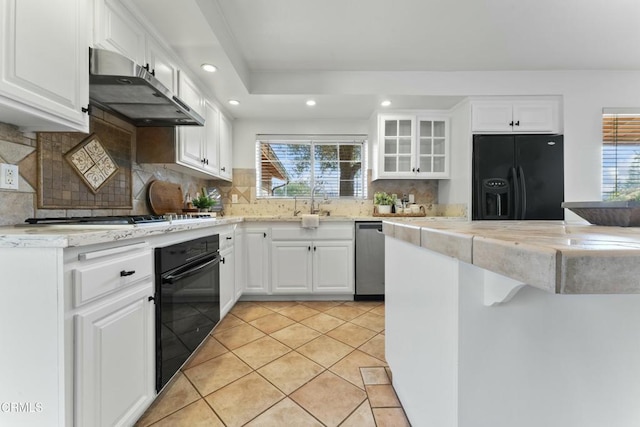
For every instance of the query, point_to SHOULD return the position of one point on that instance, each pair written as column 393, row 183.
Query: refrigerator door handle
column 516, row 195
column 523, row 193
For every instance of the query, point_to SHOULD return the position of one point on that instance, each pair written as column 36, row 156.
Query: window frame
column 313, row 142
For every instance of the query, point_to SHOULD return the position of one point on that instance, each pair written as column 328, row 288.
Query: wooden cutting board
column 165, row 197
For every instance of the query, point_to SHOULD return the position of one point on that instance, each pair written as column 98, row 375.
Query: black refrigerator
column 518, row 177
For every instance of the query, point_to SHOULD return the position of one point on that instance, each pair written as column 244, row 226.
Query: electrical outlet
column 9, row 176
column 412, row 198
column 234, row 198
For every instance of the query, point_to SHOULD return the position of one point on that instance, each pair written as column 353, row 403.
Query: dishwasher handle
column 370, row 226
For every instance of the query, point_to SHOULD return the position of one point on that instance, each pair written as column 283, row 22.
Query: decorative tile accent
column 92, row 162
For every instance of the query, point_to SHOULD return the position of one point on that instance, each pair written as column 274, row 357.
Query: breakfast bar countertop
column 556, row 256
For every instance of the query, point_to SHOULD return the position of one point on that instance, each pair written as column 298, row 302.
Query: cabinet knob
column 125, row 273
column 413, row 169
column 518, row 123
column 309, row 248
column 418, row 170
column 265, row 235
column 314, row 249
column 511, row 123
column 222, row 260
column 223, row 169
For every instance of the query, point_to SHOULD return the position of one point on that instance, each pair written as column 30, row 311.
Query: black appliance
column 518, row 177
column 187, row 301
column 97, row 220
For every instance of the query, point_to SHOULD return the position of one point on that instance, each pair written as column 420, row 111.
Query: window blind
column 620, row 156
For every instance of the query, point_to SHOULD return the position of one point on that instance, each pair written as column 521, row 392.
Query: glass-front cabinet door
column 432, row 147
column 397, row 145
column 413, row 146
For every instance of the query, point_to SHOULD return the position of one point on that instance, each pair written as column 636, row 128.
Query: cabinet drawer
column 226, row 239
column 100, row 278
column 323, row 232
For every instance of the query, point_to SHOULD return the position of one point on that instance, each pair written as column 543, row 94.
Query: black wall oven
column 187, row 301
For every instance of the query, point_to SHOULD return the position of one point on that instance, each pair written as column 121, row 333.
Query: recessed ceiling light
column 234, row 102
column 209, row 68
column 311, row 103
column 385, row 103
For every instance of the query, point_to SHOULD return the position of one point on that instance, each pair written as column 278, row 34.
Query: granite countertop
column 555, row 256
column 68, row 236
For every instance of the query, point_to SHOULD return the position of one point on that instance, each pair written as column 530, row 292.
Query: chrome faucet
column 313, row 192
column 295, row 206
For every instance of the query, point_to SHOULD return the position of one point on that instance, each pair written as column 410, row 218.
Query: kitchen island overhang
column 471, row 346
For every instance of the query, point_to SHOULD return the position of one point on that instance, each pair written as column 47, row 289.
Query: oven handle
column 190, row 272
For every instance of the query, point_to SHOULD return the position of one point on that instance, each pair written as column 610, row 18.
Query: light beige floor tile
column 378, row 310
column 209, row 376
column 349, row 367
column 229, row 321
column 364, row 305
column 250, row 312
column 176, row 395
column 377, row 375
column 238, row 336
column 361, row 417
column 325, row 350
column 271, row 323
column 285, row 413
column 243, row 400
column 390, row 417
column 321, row 305
column 370, row 321
column 322, row 322
column 351, row 334
column 382, row 396
column 276, row 305
column 290, row 372
column 345, row 312
column 386, row 368
column 295, row 335
column 208, row 350
column 298, row 312
column 198, row 414
column 261, row 351
column 374, row 347
column 329, row 398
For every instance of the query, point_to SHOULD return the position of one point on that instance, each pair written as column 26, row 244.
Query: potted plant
column 203, row 202
column 384, row 202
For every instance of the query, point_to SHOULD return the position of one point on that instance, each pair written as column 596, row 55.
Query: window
column 620, row 156
column 289, row 166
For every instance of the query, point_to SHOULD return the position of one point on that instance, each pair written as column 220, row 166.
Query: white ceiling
column 252, row 40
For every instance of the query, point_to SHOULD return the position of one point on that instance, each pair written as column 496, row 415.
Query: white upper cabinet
column 191, row 138
column 116, row 30
column 44, row 79
column 211, row 139
column 226, row 149
column 525, row 116
column 161, row 65
column 412, row 146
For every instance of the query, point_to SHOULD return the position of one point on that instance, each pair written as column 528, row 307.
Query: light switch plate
column 9, row 176
column 412, row 198
column 234, row 198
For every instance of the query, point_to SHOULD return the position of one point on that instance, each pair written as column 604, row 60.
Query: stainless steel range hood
column 118, row 84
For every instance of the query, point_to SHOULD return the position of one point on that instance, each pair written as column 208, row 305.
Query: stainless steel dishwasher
column 369, row 261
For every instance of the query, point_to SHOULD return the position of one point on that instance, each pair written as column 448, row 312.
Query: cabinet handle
column 314, row 249
column 151, row 299
column 87, row 109
column 413, row 169
column 265, row 235
column 518, row 123
column 125, row 273
column 511, row 123
column 222, row 260
column 223, row 169
column 206, row 161
column 309, row 248
column 418, row 170
column 229, row 238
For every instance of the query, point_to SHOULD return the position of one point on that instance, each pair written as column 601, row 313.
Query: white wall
column 244, row 134
column 584, row 94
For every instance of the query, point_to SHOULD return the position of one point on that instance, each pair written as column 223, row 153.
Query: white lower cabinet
column 312, row 266
column 291, row 267
column 227, row 280
column 256, row 256
column 114, row 365
column 333, row 267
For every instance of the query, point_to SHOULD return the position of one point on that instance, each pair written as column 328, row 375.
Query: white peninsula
column 514, row 324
